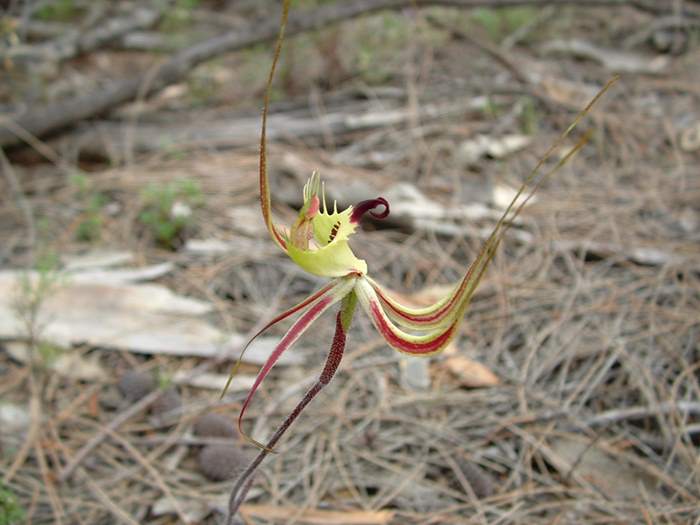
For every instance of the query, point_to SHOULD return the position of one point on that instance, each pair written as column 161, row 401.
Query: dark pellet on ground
column 168, row 401
column 222, row 462
column 134, row 385
column 214, row 425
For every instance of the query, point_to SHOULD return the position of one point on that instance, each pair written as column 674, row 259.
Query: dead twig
column 146, row 464
column 19, row 197
column 114, row 424
column 484, row 46
column 104, row 498
column 48, row 119
column 75, row 41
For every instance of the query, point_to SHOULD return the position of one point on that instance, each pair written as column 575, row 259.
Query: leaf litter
column 594, row 412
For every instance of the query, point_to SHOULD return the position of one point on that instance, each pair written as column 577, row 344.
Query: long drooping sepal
column 265, row 201
column 335, row 355
column 422, row 343
column 280, row 317
column 446, row 310
column 450, row 308
column 424, row 318
column 341, row 289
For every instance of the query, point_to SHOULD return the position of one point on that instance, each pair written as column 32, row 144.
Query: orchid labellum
column 318, row 241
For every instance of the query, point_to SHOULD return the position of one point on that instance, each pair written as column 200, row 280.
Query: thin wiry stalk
column 335, row 355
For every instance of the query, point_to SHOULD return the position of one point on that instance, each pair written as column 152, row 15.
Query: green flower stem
column 335, row 355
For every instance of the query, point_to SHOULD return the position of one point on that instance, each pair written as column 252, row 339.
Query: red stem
column 335, row 355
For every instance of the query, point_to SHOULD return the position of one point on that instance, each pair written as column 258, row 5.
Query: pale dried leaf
column 471, row 373
column 605, row 470
column 472, row 151
column 145, row 318
column 123, row 275
column 318, row 516
column 195, row 511
column 503, row 195
column 97, row 259
column 410, row 207
column 612, row 59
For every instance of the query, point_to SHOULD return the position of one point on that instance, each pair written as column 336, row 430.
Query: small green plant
column 11, row 512
column 379, row 48
column 48, row 353
column 499, row 23
column 529, row 116
column 167, row 210
column 34, row 287
column 201, row 88
column 89, row 228
column 179, row 16
column 164, row 380
column 58, row 11
column 493, row 109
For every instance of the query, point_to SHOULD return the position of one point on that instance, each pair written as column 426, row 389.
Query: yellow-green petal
column 333, row 260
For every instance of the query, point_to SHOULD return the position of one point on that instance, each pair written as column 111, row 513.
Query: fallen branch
column 78, row 40
column 113, row 138
column 48, row 119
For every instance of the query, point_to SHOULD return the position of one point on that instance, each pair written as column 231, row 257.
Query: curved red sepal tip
column 367, row 206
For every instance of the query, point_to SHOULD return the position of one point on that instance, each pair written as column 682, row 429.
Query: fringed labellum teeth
column 368, row 206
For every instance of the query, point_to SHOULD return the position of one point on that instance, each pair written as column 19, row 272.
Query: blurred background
column 134, row 262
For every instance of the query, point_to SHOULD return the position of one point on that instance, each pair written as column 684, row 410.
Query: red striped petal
column 339, row 290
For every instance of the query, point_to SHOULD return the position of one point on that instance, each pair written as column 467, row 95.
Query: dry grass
column 595, row 341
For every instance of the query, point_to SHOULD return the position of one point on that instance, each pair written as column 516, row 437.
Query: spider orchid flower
column 318, row 241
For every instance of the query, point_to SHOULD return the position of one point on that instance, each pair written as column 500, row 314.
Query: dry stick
column 80, row 40
column 118, row 513
column 637, row 412
column 118, row 420
column 32, row 140
column 32, row 434
column 48, row 119
column 36, row 441
column 21, row 200
column 465, row 483
column 49, row 484
column 125, row 139
column 146, row 464
column 490, row 49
